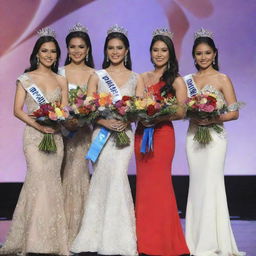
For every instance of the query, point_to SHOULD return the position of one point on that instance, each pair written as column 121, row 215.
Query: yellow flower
column 58, row 112
column 191, row 103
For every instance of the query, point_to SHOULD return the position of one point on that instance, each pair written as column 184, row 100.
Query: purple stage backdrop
column 233, row 22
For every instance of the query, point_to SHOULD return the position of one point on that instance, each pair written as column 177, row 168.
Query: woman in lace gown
column 208, row 229
column 75, row 171
column 39, row 224
column 108, row 225
column 159, row 231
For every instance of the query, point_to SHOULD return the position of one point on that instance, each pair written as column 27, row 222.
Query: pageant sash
column 103, row 135
column 110, row 84
column 36, row 94
column 192, row 89
column 147, row 140
column 97, row 145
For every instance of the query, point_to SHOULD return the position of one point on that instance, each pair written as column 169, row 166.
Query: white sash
column 36, row 94
column 110, row 84
column 191, row 86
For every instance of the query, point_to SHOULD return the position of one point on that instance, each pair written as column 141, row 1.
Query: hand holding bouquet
column 50, row 114
column 205, row 106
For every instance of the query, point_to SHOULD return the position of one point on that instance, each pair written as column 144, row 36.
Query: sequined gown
column 75, row 175
column 108, row 225
column 208, row 228
column 39, row 224
column 158, row 225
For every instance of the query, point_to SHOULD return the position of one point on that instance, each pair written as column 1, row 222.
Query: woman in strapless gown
column 75, row 170
column 39, row 224
column 108, row 225
column 208, row 229
column 159, row 231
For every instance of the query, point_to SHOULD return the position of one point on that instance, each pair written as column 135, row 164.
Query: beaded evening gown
column 159, row 231
column 208, row 229
column 39, row 224
column 75, row 175
column 108, row 225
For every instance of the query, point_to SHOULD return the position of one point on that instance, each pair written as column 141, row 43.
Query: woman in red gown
column 158, row 226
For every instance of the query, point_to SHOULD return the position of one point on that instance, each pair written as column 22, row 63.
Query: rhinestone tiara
column 116, row 28
column 203, row 33
column 47, row 31
column 163, row 32
column 78, row 27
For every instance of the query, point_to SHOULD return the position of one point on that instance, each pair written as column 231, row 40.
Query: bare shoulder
column 178, row 82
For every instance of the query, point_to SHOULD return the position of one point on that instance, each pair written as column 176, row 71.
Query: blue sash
column 36, row 94
column 103, row 135
column 147, row 140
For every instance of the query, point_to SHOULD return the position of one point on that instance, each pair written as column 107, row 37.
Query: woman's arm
column 140, row 87
column 19, row 101
column 64, row 90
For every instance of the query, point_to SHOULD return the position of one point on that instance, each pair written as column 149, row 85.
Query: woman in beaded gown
column 208, row 228
column 159, row 231
column 108, row 225
column 75, row 171
column 39, row 224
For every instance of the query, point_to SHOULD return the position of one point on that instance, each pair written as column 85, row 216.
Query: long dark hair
column 85, row 37
column 33, row 59
column 125, row 41
column 172, row 69
column 210, row 42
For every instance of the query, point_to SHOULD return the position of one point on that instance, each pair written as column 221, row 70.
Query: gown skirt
column 159, row 231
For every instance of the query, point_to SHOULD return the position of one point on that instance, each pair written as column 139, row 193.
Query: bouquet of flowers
column 121, row 110
column 50, row 114
column 205, row 106
column 149, row 108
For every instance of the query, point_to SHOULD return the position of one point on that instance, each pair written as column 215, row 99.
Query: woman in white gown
column 75, row 171
column 208, row 229
column 108, row 225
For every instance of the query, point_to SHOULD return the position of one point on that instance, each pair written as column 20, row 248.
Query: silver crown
column 116, row 28
column 163, row 32
column 47, row 31
column 78, row 27
column 203, row 33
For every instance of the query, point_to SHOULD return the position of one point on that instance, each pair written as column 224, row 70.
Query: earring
column 54, row 64
column 107, row 59
column 195, row 62
column 168, row 65
column 69, row 59
column 86, row 58
column 213, row 62
column 125, row 60
column 37, row 61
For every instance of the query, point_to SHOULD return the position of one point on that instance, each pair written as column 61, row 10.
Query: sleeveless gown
column 158, row 226
column 108, row 225
column 75, row 175
column 208, row 228
column 39, row 224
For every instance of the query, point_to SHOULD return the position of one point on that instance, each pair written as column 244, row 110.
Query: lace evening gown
column 208, row 229
column 39, row 224
column 75, row 174
column 159, row 231
column 108, row 225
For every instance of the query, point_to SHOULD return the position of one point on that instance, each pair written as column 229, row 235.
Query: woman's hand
column 46, row 129
column 205, row 121
column 113, row 124
column 71, row 124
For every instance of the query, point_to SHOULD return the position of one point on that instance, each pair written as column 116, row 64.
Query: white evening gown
column 108, row 225
column 208, row 229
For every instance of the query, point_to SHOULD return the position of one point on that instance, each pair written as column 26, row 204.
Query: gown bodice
column 52, row 96
column 127, row 89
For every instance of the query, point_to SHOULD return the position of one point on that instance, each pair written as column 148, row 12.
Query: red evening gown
column 159, row 231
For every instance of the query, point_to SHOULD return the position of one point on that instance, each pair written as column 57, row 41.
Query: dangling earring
column 54, row 64
column 107, row 59
column 195, row 62
column 37, row 61
column 125, row 60
column 213, row 63
column 168, row 65
column 86, row 58
column 69, row 59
